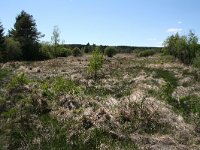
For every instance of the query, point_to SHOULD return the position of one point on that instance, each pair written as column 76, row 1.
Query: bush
column 45, row 51
column 62, row 52
column 13, row 49
column 65, row 52
column 196, row 62
column 110, row 51
column 76, row 52
column 146, row 53
column 184, row 48
column 95, row 62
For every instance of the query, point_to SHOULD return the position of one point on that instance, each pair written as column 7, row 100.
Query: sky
column 107, row 22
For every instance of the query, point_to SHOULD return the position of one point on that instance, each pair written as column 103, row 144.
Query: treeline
column 184, row 47
column 22, row 43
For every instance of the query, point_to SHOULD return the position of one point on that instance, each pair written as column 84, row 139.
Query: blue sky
column 107, row 22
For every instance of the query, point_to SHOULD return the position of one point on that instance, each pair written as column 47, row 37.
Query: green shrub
column 110, row 51
column 184, row 48
column 64, row 52
column 95, row 62
column 13, row 49
column 146, row 53
column 196, row 62
column 76, row 52
column 4, row 73
column 18, row 80
column 46, row 51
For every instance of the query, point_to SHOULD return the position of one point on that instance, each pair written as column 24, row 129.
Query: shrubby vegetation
column 76, row 52
column 13, row 49
column 110, row 51
column 185, row 48
column 146, row 53
column 96, row 62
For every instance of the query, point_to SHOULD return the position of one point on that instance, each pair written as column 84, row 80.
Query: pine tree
column 2, row 38
column 25, row 31
column 2, row 42
column 95, row 62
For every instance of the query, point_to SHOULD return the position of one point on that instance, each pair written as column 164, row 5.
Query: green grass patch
column 56, row 86
column 4, row 73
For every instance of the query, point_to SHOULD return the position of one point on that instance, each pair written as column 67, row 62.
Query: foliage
column 196, row 62
column 88, row 48
column 18, row 80
column 146, row 53
column 55, row 37
column 4, row 73
column 26, row 33
column 45, row 51
column 95, row 62
column 76, row 52
column 62, row 52
column 59, row 85
column 182, row 47
column 2, row 39
column 2, row 43
column 110, row 51
column 13, row 49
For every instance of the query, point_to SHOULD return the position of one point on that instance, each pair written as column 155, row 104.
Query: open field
column 136, row 103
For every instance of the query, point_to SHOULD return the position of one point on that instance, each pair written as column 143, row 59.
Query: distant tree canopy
column 183, row 47
column 25, row 31
column 88, row 48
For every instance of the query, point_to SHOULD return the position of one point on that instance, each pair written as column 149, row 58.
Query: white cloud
column 174, row 30
column 179, row 22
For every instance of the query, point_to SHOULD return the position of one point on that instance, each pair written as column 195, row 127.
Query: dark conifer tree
column 2, row 42
column 25, row 31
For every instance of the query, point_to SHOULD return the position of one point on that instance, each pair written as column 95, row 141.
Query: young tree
column 193, row 45
column 55, row 37
column 95, row 62
column 25, row 31
column 182, row 47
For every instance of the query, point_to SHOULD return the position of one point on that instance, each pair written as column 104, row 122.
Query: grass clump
column 138, row 117
column 18, row 81
column 56, row 86
column 4, row 73
column 146, row 53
